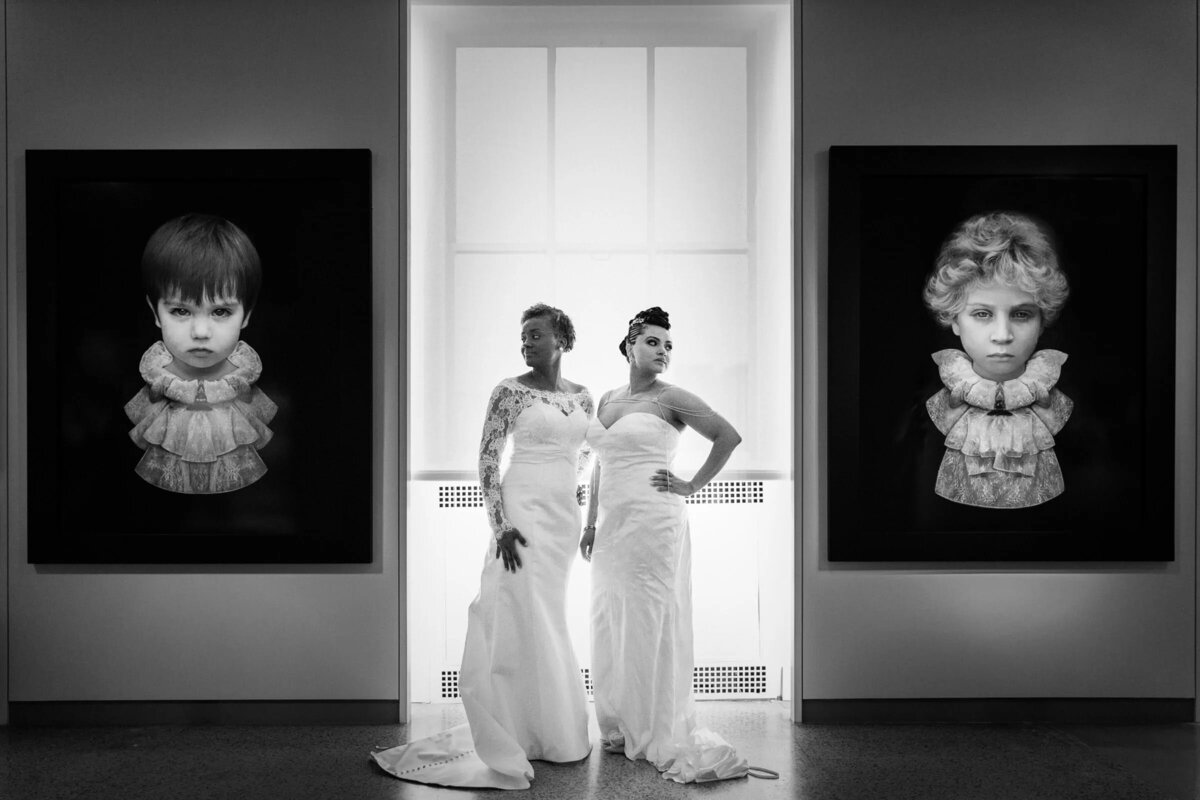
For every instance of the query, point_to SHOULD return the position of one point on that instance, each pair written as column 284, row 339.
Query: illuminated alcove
column 604, row 159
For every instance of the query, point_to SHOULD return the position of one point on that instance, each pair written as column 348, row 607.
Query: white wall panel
column 502, row 138
column 700, row 145
column 601, row 141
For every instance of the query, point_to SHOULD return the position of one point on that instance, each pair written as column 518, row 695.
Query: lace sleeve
column 503, row 407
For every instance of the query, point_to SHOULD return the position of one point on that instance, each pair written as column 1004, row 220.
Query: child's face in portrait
column 200, row 336
column 999, row 328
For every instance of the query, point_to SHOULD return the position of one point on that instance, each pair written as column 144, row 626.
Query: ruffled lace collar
column 1031, row 387
column 247, row 368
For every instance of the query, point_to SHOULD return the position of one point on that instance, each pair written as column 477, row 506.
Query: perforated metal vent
column 717, row 492
column 741, row 679
column 449, row 683
column 460, row 496
column 729, row 492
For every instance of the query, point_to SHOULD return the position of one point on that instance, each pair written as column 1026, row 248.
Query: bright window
column 602, row 172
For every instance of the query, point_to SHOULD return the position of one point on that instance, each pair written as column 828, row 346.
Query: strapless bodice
column 636, row 438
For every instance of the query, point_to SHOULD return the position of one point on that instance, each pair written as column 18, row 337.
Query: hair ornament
column 649, row 316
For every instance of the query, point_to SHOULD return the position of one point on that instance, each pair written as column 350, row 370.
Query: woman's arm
column 503, row 407
column 584, row 457
column 593, row 505
column 593, row 509
column 689, row 409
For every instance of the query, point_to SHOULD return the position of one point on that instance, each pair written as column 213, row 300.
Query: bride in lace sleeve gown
column 519, row 680
column 641, row 629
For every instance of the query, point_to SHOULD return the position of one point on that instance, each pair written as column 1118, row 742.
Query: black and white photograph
column 1004, row 343
column 186, row 309
column 598, row 399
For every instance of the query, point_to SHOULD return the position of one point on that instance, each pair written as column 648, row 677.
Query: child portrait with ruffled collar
column 997, row 285
column 200, row 419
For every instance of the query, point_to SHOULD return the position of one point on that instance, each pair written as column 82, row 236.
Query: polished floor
column 879, row 762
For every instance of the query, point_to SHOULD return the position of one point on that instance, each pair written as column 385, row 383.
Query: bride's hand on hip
column 585, row 543
column 506, row 546
column 665, row 481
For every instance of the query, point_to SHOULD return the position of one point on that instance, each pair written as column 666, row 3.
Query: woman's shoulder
column 679, row 399
column 571, row 387
column 506, row 394
column 509, row 386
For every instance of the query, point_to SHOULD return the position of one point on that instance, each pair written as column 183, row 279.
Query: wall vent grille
column 738, row 680
column 741, row 679
column 726, row 492
column 449, row 683
column 467, row 495
column 460, row 496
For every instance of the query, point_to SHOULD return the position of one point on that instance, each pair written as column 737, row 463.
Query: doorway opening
column 604, row 159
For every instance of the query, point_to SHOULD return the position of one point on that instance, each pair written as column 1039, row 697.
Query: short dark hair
column 651, row 316
column 196, row 256
column 559, row 321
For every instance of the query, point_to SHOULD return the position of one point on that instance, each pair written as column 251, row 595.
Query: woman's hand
column 506, row 546
column 665, row 481
column 585, row 542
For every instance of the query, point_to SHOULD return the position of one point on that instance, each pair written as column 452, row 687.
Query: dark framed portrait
column 1001, row 349
column 199, row 356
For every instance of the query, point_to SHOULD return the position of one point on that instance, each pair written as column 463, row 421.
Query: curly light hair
column 1001, row 246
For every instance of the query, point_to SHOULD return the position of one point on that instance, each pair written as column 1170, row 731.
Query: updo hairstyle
column 1001, row 246
column 559, row 321
column 651, row 316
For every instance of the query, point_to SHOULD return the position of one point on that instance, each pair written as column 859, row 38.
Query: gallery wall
column 267, row 73
column 939, row 72
column 193, row 74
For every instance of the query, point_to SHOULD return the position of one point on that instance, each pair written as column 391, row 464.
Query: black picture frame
column 89, row 215
column 1112, row 214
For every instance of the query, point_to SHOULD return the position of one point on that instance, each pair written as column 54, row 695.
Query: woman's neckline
column 529, row 388
column 610, row 426
column 647, row 395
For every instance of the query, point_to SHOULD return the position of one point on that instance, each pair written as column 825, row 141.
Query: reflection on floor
column 875, row 762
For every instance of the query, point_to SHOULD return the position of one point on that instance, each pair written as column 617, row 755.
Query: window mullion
column 651, row 232
column 551, row 156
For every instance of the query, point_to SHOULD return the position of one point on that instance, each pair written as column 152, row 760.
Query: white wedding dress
column 642, row 609
column 520, row 680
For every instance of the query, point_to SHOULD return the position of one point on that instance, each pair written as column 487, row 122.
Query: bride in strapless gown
column 642, row 659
